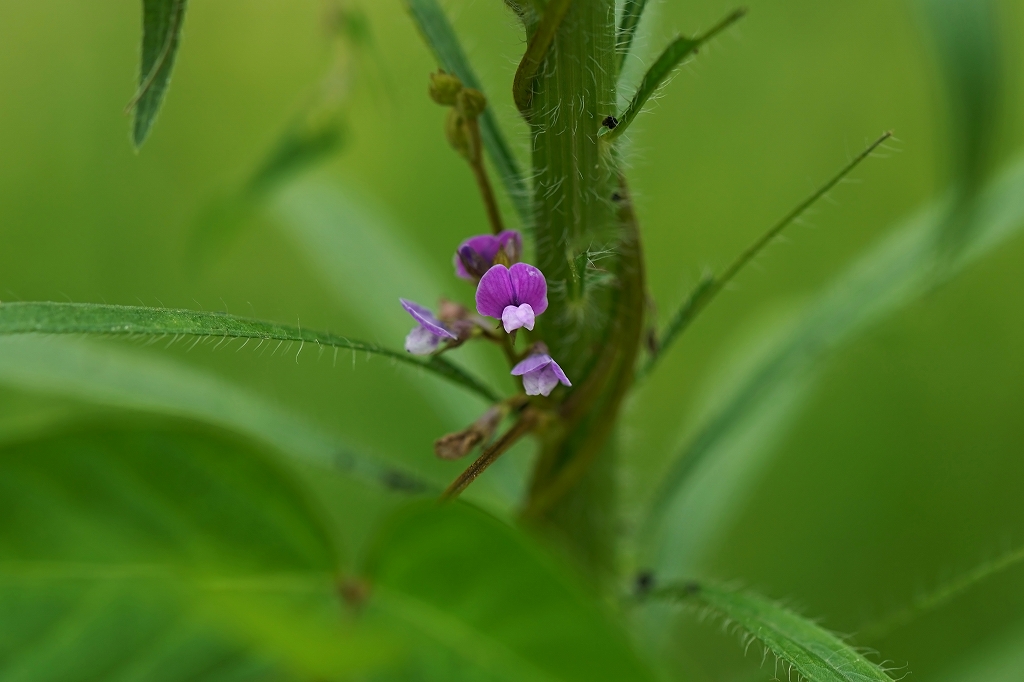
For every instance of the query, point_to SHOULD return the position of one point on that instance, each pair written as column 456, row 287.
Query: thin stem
column 710, row 286
column 631, row 14
column 482, row 181
column 490, row 455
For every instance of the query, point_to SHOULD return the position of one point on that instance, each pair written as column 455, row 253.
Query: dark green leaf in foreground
column 677, row 51
column 90, row 318
column 443, row 42
column 169, row 553
column 482, row 589
column 800, row 645
column 161, row 32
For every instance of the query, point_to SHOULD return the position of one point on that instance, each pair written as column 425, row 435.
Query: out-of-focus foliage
column 897, row 470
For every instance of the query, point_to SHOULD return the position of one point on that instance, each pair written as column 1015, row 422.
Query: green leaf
column 678, row 50
column 441, row 38
column 799, row 644
column 710, row 286
column 129, row 379
column 632, row 12
column 161, row 32
column 135, row 321
column 127, row 550
column 704, row 488
column 539, row 44
column 999, row 658
column 482, row 589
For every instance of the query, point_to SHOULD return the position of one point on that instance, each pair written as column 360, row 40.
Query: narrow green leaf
column 483, row 590
column 702, row 491
column 161, row 32
column 934, row 599
column 539, row 44
column 91, row 318
column 632, row 12
column 710, row 286
column 129, row 549
column 800, row 645
column 441, row 38
column 129, row 379
column 678, row 50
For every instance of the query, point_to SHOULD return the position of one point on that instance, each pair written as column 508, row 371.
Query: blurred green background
column 904, row 470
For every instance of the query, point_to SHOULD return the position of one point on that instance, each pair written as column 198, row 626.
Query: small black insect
column 610, row 122
column 644, row 582
column 616, row 197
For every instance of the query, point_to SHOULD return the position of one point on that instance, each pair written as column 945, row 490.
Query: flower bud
column 470, row 102
column 444, row 88
column 458, row 445
column 458, row 136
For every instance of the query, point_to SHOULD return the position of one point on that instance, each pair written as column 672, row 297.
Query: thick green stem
column 588, row 248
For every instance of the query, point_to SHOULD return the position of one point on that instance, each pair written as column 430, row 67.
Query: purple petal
column 494, row 292
column 514, row 318
column 426, row 319
column 511, row 242
column 559, row 373
column 469, row 264
column 532, row 364
column 529, row 286
column 541, row 382
column 421, row 341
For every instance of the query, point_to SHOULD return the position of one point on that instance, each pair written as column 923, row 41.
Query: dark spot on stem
column 616, row 197
column 610, row 122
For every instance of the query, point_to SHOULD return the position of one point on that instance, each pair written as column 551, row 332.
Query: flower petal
column 421, row 341
column 494, row 292
column 514, row 318
column 511, row 242
column 529, row 286
column 531, row 364
column 559, row 373
column 426, row 319
column 541, row 382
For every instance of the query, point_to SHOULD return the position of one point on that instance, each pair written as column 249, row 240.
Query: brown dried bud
column 458, row 445
column 470, row 102
column 444, row 88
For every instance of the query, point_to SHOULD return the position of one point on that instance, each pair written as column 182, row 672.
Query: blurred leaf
column 632, row 12
column 678, row 50
column 127, row 550
column 131, row 380
column 480, row 588
column 999, row 659
column 710, row 286
column 135, row 321
column 799, row 644
column 161, row 31
column 441, row 39
column 704, row 489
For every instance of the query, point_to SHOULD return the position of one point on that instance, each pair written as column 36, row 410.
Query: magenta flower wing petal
column 426, row 319
column 494, row 293
column 513, row 317
column 532, row 364
column 529, row 286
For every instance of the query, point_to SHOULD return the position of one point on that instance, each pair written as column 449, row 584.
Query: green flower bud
column 471, row 103
column 444, row 88
column 458, row 136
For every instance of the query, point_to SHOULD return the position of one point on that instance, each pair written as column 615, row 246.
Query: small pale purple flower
column 424, row 339
column 513, row 295
column 540, row 374
column 477, row 254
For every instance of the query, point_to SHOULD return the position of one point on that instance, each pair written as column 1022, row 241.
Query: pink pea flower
column 513, row 295
column 540, row 374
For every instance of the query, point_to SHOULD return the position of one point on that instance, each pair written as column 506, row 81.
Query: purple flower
column 475, row 255
column 424, row 339
column 513, row 295
column 540, row 374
